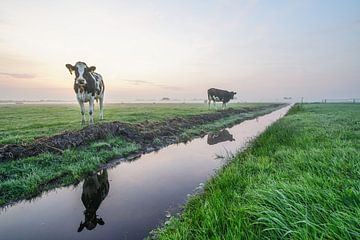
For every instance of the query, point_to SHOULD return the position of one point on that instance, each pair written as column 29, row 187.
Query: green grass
column 27, row 177
column 23, row 123
column 298, row 180
column 30, row 176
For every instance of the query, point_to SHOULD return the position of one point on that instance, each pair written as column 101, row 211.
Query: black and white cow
column 88, row 86
column 218, row 95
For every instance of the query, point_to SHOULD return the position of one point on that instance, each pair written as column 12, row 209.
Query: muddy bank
column 149, row 135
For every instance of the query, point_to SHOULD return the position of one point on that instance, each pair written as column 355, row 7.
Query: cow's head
column 232, row 94
column 91, row 221
column 82, row 72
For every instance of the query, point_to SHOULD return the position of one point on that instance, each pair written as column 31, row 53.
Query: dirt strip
column 142, row 133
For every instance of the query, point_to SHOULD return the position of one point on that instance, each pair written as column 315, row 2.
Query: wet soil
column 149, row 135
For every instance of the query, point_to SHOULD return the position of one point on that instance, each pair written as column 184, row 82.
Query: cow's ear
column 92, row 69
column 70, row 67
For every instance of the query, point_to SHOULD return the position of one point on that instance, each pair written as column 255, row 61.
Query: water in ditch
column 132, row 198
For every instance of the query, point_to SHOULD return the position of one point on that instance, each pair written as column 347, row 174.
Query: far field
column 299, row 180
column 22, row 123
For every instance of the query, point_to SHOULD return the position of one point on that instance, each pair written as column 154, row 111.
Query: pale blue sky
column 264, row 50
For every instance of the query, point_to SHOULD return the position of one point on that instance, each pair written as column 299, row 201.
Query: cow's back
column 217, row 92
column 214, row 91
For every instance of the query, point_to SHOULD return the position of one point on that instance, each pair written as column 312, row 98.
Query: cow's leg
column 91, row 110
column 209, row 99
column 82, row 111
column 101, row 108
column 212, row 98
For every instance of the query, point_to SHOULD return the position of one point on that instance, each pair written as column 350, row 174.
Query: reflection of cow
column 217, row 137
column 95, row 190
column 218, row 95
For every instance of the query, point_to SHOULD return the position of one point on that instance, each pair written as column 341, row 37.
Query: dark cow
column 95, row 190
column 218, row 95
column 88, row 86
column 217, row 137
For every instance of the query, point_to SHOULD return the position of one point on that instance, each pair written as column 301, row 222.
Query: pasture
column 22, row 123
column 298, row 180
column 29, row 176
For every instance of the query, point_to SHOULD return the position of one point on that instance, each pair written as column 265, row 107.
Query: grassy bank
column 30, row 176
column 299, row 180
column 23, row 123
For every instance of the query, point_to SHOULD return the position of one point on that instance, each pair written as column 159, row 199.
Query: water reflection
column 95, row 190
column 221, row 136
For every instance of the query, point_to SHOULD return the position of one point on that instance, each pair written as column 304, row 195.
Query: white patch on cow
column 81, row 69
column 83, row 96
column 95, row 76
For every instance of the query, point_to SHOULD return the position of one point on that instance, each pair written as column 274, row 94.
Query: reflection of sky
column 261, row 49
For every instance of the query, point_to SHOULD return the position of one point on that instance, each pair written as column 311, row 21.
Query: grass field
column 298, row 180
column 30, row 176
column 23, row 123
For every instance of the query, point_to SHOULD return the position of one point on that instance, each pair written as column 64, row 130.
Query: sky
column 263, row 50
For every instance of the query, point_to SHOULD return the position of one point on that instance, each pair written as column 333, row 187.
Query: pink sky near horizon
column 152, row 49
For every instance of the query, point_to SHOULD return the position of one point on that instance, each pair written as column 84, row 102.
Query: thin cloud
column 167, row 87
column 143, row 82
column 136, row 82
column 18, row 75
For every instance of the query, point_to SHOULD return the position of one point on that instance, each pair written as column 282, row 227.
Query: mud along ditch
column 144, row 134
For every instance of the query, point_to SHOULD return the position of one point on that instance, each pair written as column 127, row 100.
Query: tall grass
column 298, row 180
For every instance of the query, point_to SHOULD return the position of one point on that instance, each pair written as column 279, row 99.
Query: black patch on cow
column 220, row 95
